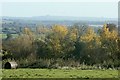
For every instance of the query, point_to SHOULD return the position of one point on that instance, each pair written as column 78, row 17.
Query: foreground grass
column 57, row 73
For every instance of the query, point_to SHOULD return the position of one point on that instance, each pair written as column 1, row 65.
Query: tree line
column 59, row 45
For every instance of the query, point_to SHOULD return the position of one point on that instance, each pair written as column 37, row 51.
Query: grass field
column 5, row 36
column 58, row 73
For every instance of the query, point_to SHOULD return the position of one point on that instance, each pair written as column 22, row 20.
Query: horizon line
column 61, row 16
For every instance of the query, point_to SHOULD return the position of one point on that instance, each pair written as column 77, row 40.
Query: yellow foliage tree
column 90, row 38
column 73, row 34
column 56, row 39
column 60, row 31
column 109, row 41
column 27, row 31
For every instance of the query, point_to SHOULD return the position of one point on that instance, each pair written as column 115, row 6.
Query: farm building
column 10, row 65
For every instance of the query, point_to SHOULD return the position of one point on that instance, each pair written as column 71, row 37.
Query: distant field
column 58, row 73
column 4, row 35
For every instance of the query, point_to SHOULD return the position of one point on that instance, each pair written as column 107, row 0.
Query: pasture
column 3, row 36
column 58, row 73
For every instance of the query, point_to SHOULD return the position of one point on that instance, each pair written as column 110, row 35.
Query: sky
column 77, row 9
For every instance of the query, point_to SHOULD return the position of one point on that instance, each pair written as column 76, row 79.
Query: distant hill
column 51, row 20
column 62, row 18
column 15, row 24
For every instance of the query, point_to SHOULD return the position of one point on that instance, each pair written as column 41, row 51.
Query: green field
column 58, row 73
column 5, row 36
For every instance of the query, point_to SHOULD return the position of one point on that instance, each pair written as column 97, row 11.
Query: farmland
column 51, row 40
column 58, row 73
column 3, row 36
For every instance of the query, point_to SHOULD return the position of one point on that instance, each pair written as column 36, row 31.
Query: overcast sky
column 78, row 9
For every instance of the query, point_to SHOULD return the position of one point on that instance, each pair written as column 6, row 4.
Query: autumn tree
column 56, row 39
column 92, row 43
column 109, row 39
column 76, row 32
column 22, row 46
